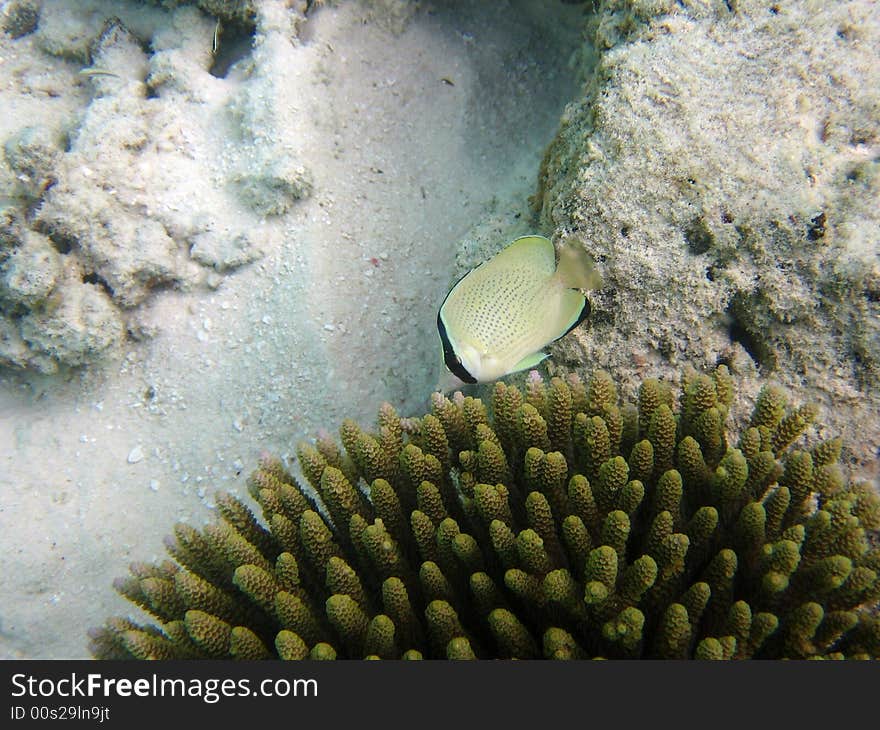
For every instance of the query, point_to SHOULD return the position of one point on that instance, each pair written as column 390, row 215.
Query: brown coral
column 642, row 533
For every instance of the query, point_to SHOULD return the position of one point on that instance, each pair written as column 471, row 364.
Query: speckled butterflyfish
column 498, row 318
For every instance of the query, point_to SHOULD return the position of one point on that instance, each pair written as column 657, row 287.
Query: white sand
column 96, row 466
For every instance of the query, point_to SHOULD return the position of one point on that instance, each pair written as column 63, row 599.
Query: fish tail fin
column 576, row 268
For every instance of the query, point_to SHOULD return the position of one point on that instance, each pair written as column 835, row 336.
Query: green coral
column 559, row 525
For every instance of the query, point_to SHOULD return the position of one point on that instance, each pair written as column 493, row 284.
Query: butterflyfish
column 498, row 318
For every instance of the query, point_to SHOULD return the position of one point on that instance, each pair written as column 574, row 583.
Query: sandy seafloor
column 97, row 463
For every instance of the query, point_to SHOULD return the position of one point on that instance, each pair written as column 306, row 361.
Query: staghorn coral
column 644, row 533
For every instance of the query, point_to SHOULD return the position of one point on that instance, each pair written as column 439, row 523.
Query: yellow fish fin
column 535, row 252
column 529, row 361
column 574, row 308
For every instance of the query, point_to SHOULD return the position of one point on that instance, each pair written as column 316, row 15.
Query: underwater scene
column 439, row 329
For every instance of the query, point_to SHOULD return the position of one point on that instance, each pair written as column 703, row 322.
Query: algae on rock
column 562, row 526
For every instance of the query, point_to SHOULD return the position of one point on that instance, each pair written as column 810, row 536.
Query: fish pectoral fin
column 530, row 361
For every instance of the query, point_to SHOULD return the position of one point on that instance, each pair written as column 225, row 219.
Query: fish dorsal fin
column 535, row 252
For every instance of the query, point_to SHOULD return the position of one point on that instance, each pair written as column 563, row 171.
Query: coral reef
column 51, row 314
column 153, row 171
column 19, row 17
column 208, row 377
column 231, row 11
column 722, row 165
column 563, row 526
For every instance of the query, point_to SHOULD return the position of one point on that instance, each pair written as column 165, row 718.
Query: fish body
column 497, row 319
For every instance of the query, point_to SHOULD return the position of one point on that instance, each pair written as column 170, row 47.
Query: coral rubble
column 150, row 171
column 562, row 526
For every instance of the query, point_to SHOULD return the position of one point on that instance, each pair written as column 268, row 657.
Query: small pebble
column 135, row 455
column 154, row 485
column 236, row 424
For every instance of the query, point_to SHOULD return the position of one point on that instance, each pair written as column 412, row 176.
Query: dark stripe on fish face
column 453, row 363
column 585, row 312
